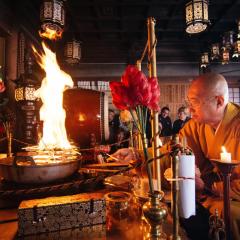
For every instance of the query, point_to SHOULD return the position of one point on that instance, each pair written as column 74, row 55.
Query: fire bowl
column 23, row 169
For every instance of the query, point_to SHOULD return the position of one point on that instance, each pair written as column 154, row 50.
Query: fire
column 50, row 34
column 51, row 91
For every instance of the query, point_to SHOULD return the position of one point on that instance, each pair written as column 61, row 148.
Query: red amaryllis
column 137, row 93
column 2, row 86
column 119, row 95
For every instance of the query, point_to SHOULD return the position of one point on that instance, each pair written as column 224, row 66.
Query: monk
column 215, row 123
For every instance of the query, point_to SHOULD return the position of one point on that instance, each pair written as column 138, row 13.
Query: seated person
column 165, row 123
column 215, row 123
column 120, row 140
column 113, row 122
column 182, row 119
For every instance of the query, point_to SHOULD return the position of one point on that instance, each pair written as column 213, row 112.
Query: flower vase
column 155, row 212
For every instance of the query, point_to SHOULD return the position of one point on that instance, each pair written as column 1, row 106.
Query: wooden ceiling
column 115, row 31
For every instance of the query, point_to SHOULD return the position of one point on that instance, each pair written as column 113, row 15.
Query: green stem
column 135, row 120
column 149, row 170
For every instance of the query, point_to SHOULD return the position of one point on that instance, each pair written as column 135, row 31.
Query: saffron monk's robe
column 206, row 144
column 59, row 213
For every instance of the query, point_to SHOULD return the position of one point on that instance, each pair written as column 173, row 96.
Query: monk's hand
column 198, row 180
column 125, row 155
column 168, row 174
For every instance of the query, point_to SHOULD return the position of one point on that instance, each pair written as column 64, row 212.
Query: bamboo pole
column 152, row 69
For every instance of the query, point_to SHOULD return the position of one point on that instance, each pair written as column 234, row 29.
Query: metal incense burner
column 155, row 212
column 39, row 167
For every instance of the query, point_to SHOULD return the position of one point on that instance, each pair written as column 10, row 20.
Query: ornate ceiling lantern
column 25, row 92
column 26, row 86
column 228, row 40
column 52, row 15
column 196, row 16
column 236, row 52
column 204, row 60
column 72, row 52
column 215, row 52
column 225, row 55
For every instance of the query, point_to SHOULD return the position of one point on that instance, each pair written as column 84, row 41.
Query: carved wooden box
column 58, row 213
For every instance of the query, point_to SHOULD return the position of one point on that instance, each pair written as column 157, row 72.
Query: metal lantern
column 25, row 93
column 225, row 55
column 215, row 52
column 196, row 16
column 228, row 39
column 72, row 52
column 236, row 51
column 204, row 60
column 52, row 15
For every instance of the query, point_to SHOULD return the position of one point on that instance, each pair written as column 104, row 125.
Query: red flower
column 2, row 86
column 135, row 89
column 120, row 95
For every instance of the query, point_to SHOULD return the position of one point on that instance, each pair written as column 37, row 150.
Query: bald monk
column 215, row 122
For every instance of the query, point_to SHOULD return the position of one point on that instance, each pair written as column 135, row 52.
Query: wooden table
column 130, row 228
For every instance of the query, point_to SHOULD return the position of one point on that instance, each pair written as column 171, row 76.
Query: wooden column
column 152, row 68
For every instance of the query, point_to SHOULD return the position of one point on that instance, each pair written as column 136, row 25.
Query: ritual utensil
column 175, row 197
column 155, row 213
column 226, row 169
column 217, row 227
column 24, row 169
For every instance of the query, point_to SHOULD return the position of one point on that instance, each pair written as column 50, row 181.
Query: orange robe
column 206, row 144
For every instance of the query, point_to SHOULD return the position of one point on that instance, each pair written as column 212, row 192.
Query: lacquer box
column 58, row 213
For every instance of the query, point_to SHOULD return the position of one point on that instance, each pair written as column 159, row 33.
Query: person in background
column 113, row 122
column 165, row 123
column 182, row 119
column 121, row 140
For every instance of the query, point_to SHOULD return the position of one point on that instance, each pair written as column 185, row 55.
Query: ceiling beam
column 225, row 11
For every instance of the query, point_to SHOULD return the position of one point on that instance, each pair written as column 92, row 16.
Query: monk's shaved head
column 208, row 98
column 210, row 84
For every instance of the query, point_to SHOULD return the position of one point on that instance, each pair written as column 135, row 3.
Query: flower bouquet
column 137, row 93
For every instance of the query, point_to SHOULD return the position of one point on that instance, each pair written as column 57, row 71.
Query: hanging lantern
column 26, row 85
column 72, row 52
column 52, row 15
column 215, row 52
column 196, row 16
column 225, row 55
column 25, row 93
column 228, row 39
column 236, row 52
column 204, row 60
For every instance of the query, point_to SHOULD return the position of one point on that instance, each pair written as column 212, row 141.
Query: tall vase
column 155, row 213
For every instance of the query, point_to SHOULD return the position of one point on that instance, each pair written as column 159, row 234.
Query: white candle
column 225, row 156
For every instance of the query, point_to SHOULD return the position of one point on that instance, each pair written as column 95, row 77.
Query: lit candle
column 225, row 156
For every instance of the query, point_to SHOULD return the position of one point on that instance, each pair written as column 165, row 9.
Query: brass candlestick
column 226, row 169
column 155, row 213
column 175, row 197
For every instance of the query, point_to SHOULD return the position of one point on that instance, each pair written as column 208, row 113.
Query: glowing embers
column 50, row 156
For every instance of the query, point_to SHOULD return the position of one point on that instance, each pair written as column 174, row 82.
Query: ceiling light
column 52, row 15
column 196, row 16
column 72, row 51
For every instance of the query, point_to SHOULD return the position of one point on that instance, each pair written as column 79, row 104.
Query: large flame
column 51, row 92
